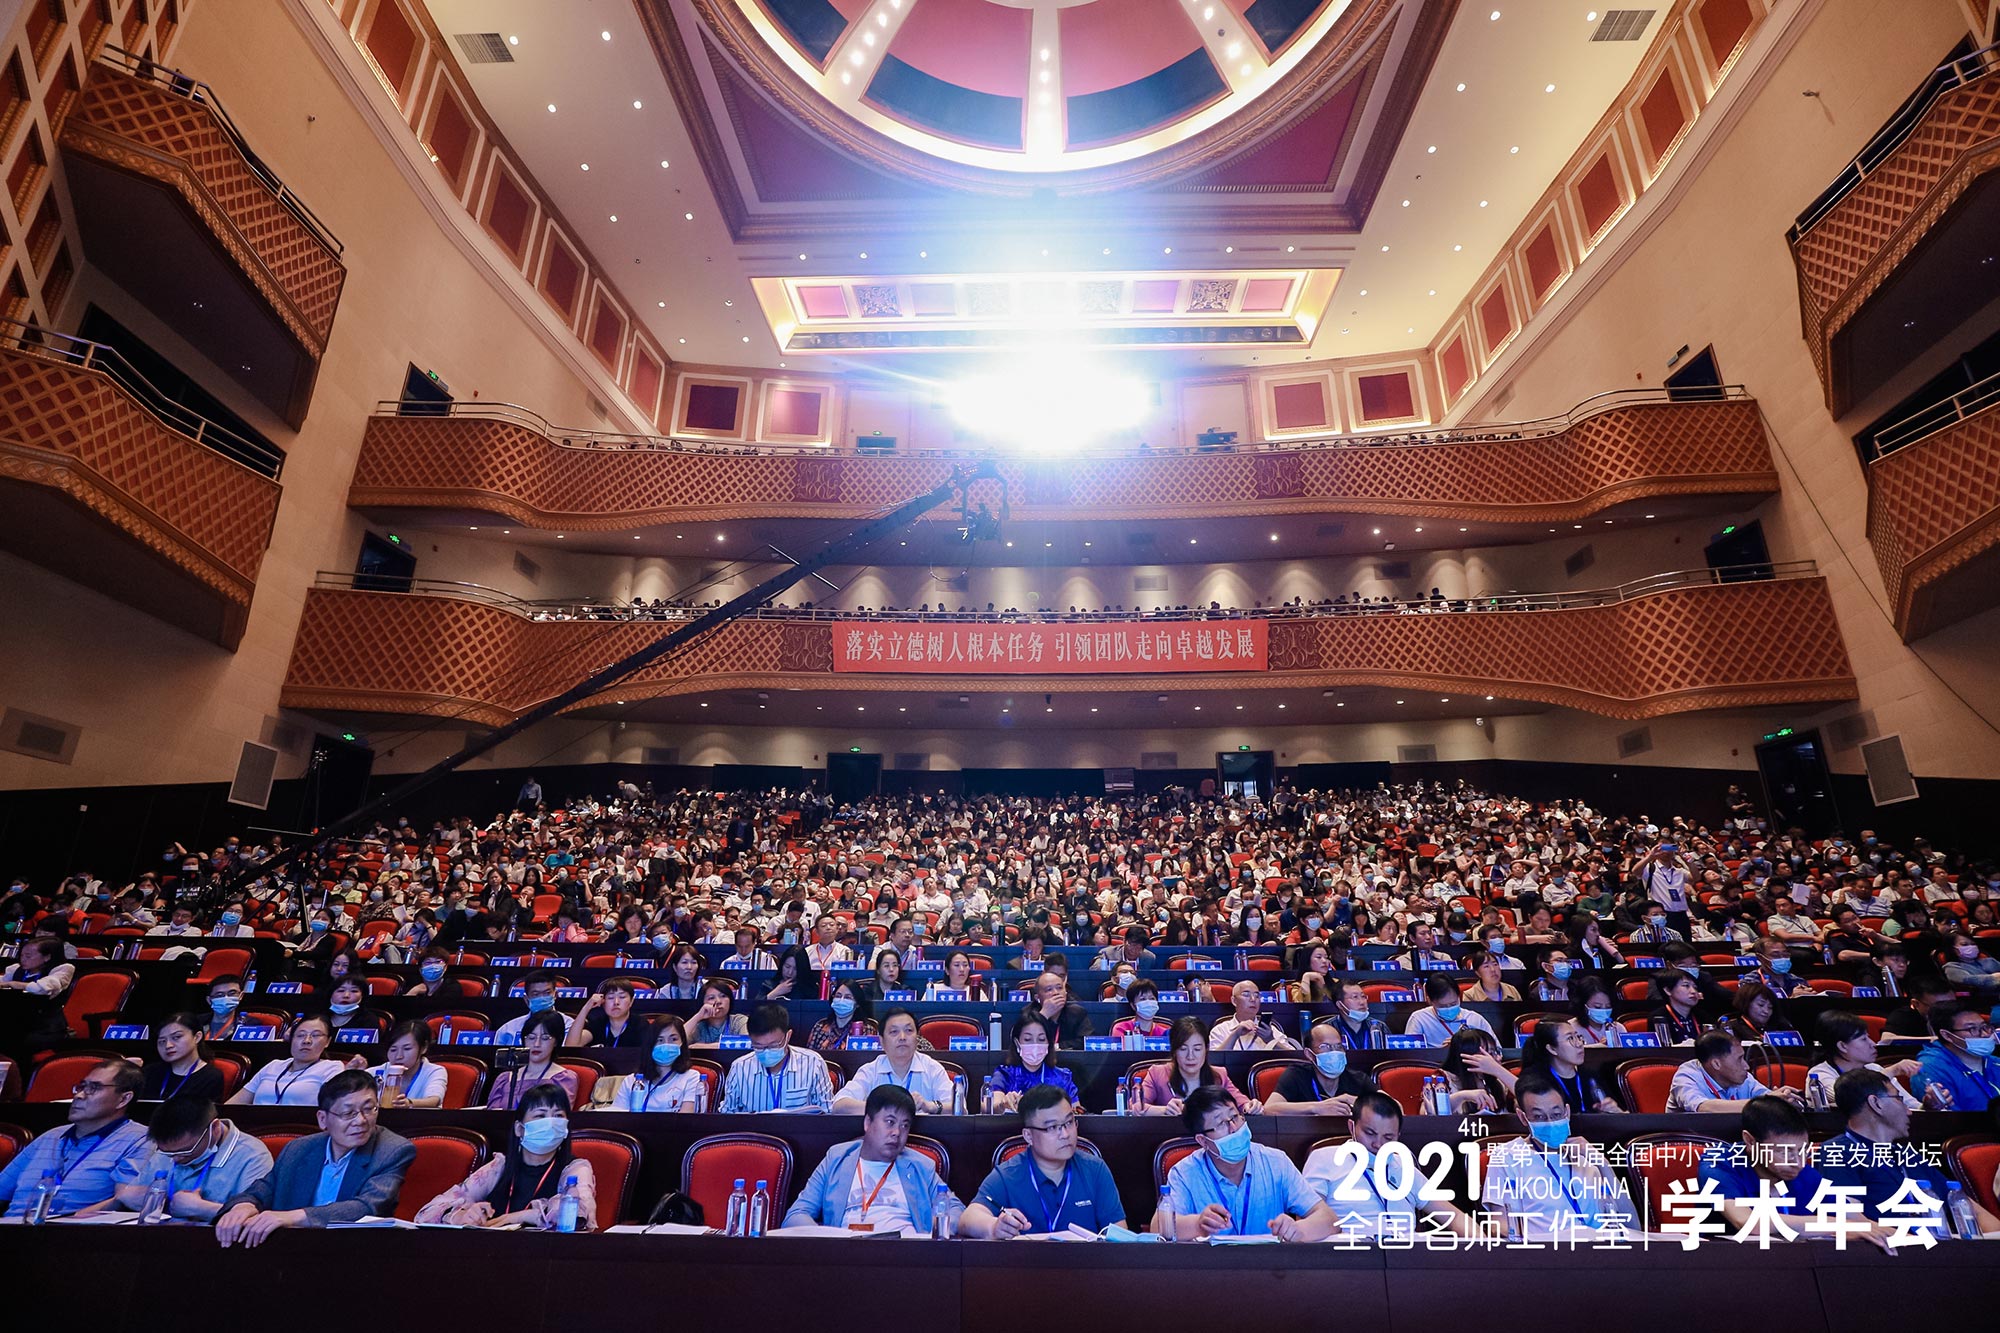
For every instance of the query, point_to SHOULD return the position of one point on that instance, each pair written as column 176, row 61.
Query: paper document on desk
column 829, row 1233
column 661, row 1229
column 1072, row 1233
column 391, row 1223
column 97, row 1220
column 1242, row 1240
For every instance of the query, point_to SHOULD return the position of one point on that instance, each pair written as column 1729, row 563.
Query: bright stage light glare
column 1048, row 404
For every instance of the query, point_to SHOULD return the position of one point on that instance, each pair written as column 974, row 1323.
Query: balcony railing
column 1934, row 510
column 620, row 442
column 1928, row 421
column 1675, row 643
column 258, row 456
column 508, row 461
column 1482, row 603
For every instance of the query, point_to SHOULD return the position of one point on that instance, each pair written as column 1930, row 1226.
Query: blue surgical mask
column 770, row 1056
column 344, row 1009
column 1979, row 1046
column 232, row 918
column 432, row 972
column 662, row 940
column 1234, row 1147
column 1312, row 924
column 843, row 1008
column 1781, row 965
column 1447, row 1012
column 1552, row 1134
column 537, row 1003
column 224, row 1004
column 665, row 1053
column 1599, row 1015
column 1496, row 946
column 1122, row 980
column 316, row 924
column 1560, row 971
column 1331, row 1063
column 545, row 1134
column 1146, row 1008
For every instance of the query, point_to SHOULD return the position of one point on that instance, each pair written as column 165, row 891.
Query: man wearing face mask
column 1874, row 1153
column 1248, row 1028
column 1327, row 1086
column 776, row 1076
column 1358, row 1030
column 1493, row 939
column 1444, row 1015
column 1234, row 1187
column 1553, row 1181
column 1958, row 1069
column 539, row 987
column 1361, row 1208
column 1718, row 1079
column 1131, row 949
column 207, row 1160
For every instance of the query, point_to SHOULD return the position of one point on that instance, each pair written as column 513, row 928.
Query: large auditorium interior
column 1362, row 629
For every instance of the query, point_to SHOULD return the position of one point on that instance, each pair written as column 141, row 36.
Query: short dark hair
column 1770, row 1117
column 1837, row 1027
column 1852, row 1090
column 1194, row 1111
column 1438, row 986
column 889, row 1015
column 345, row 1083
column 540, row 976
column 547, row 1021
column 1138, row 933
column 768, row 1018
column 621, row 984
column 1713, row 1044
column 1534, row 1084
column 1040, row 1098
column 1378, row 1103
column 1942, row 1016
column 178, row 1117
column 415, row 1029
column 1669, row 977
column 125, row 1076
column 888, row 1097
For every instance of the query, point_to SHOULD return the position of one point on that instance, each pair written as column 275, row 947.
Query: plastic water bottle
column 155, row 1207
column 444, row 1033
column 250, row 981
column 941, row 1213
column 1165, row 1218
column 958, row 1094
column 1242, row 958
column 45, row 1198
column 992, row 1032
column 737, row 1221
column 760, row 1209
column 1958, row 1208
column 568, row 1207
column 1120, row 1108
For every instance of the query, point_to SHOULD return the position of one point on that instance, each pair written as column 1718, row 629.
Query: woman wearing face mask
column 1489, row 988
column 1845, row 1043
column 180, row 1071
column 1594, row 1013
column 1254, row 926
column 405, row 1078
column 1969, row 969
column 1556, row 1048
column 849, row 1019
column 667, row 1079
column 296, row 1081
column 229, row 923
column 1144, row 997
column 685, row 968
column 314, row 942
column 344, row 1002
column 522, row 1185
column 541, row 1035
column 432, row 981
column 959, row 977
column 1032, row 1066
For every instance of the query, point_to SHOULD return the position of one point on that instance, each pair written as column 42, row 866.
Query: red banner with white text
column 956, row 649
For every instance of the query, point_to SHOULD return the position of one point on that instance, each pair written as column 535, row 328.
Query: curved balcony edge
column 1725, row 645
column 512, row 469
column 1933, row 518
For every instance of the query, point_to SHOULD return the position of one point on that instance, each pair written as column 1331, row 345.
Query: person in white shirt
column 1553, row 1182
column 539, row 989
column 1846, row 1044
column 418, row 1083
column 1444, row 1015
column 901, row 1064
column 1718, row 1079
column 1345, row 1175
column 826, row 951
column 666, row 1079
column 778, row 1076
column 296, row 1081
column 179, row 922
column 748, row 957
column 1248, row 1029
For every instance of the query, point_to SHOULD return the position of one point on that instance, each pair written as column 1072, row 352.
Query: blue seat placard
column 506, row 962
column 1440, row 965
column 285, row 988
column 1386, row 965
column 1028, row 965
column 1647, row 960
column 572, row 992
column 1746, row 960
column 948, row 995
column 850, row 969
column 638, row 962
column 1399, row 997
column 255, row 1034
column 1103, row 1044
column 1173, row 997
column 1403, row 1041
column 1867, row 992
column 1270, row 997
column 864, row 1043
column 967, row 1044
column 925, row 967
column 1153, row 1044
column 1020, row 996
column 733, row 1043
column 362, row 1036
column 1203, row 965
column 1784, row 1039
column 472, row 1038
column 1640, row 1039
column 899, row 995
column 127, row 1032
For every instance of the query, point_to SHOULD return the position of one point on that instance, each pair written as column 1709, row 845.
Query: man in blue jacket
column 875, row 1182
column 348, row 1171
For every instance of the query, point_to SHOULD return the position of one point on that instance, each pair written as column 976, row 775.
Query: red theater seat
column 614, row 1160
column 714, row 1164
column 445, row 1156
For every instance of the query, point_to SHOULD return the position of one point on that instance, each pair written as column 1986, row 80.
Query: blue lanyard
column 1050, row 1218
column 64, row 1166
column 164, row 1094
column 1564, row 1085
column 774, row 1083
column 1236, row 1228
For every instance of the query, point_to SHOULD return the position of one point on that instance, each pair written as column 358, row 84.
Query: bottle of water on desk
column 568, row 1206
column 993, row 1032
column 737, row 1221
column 45, row 1199
column 1164, row 1220
column 155, row 1208
column 760, row 1209
column 1123, row 1105
column 444, row 1033
column 941, row 1213
column 1959, row 1211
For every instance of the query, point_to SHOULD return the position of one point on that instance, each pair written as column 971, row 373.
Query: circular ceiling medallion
column 1104, row 92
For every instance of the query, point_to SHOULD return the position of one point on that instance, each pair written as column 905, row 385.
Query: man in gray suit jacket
column 349, row 1171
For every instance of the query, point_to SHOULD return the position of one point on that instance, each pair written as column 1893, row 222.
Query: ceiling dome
column 1119, row 91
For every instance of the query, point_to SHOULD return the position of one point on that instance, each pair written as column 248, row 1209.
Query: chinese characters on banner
column 930, row 648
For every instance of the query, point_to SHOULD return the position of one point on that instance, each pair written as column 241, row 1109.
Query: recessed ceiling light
column 1105, row 251
column 1191, row 541
column 1461, row 87
column 506, row 532
column 1406, row 203
column 1290, row 248
column 1385, row 249
column 1591, row 17
column 1434, row 291
column 635, row 536
column 1515, row 149
column 1649, row 516
column 718, row 536
column 864, row 254
column 1239, row 708
column 638, row 106
column 923, row 254
column 1047, row 544
column 727, row 301
column 472, row 529
column 1197, row 708
column 1494, row 16
column 561, row 535
column 607, row 36
column 1340, row 705
column 513, row 41
column 1419, row 529
column 614, row 217
column 1093, row 710
column 552, row 108
column 1551, row 88
column 586, row 166
column 1229, row 249
column 1281, row 707
column 746, row 337
column 1463, row 529
column 1489, row 698
column 1274, row 536
column 663, row 164
column 1364, row 291
column 688, row 217
column 1444, row 701
column 861, row 708
column 1165, row 250
column 1432, row 149
column 1377, row 532
column 1483, row 203
column 684, row 342
column 1457, row 248
column 1399, row 701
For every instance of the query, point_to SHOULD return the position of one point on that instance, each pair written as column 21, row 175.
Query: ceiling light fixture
column 586, row 166
column 638, row 105
column 1461, row 87
column 1432, row 149
column 614, row 217
column 607, row 36
column 688, row 216
column 1551, row 88
column 552, row 108
column 513, row 41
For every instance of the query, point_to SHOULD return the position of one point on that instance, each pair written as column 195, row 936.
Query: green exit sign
column 854, row 749
column 1779, row 734
column 1244, row 748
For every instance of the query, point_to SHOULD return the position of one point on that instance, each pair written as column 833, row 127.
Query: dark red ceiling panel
column 1110, row 43
column 975, row 44
column 1305, row 154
